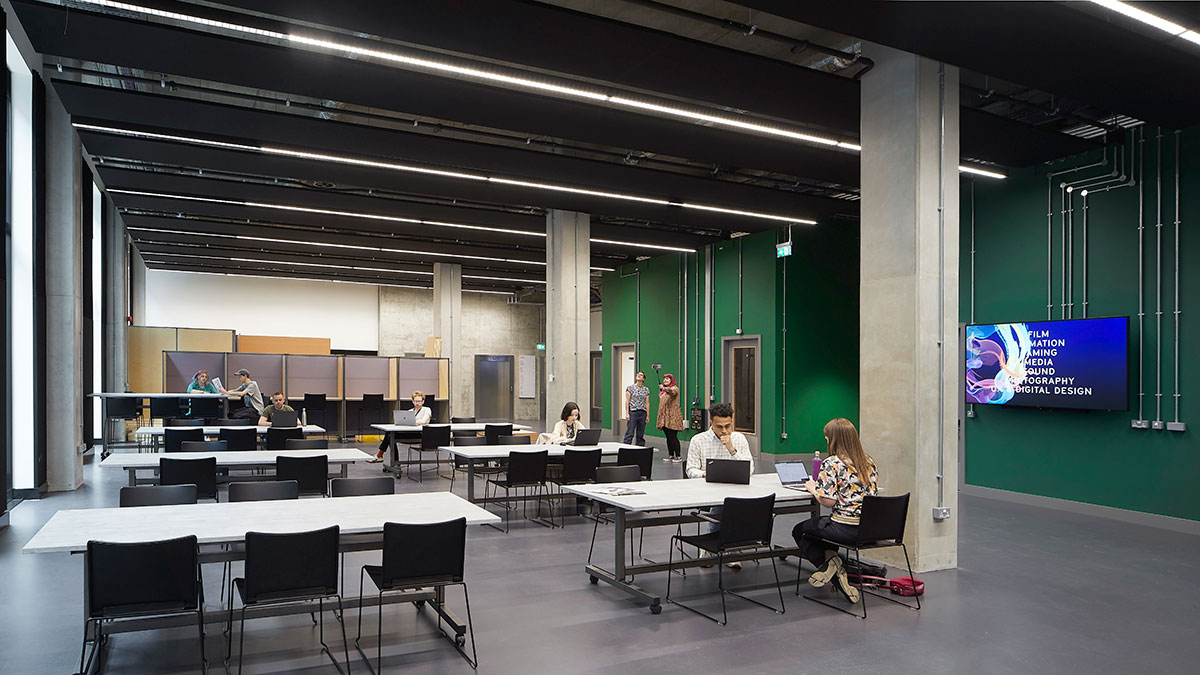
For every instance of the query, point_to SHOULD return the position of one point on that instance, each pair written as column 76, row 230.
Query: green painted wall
column 821, row 292
column 1093, row 457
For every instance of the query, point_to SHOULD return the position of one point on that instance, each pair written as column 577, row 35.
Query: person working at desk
column 719, row 442
column 251, row 396
column 422, row 417
column 278, row 404
column 847, row 475
column 566, row 427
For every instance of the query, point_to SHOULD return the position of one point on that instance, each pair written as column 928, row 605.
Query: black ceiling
column 145, row 75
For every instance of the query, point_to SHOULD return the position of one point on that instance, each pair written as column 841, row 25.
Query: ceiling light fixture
column 980, row 172
column 259, row 261
column 613, row 242
column 520, row 281
column 335, row 281
column 1149, row 19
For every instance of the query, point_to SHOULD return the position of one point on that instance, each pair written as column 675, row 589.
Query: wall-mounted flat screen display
column 1075, row 363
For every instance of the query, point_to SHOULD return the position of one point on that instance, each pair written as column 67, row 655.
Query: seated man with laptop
column 719, row 445
column 278, row 414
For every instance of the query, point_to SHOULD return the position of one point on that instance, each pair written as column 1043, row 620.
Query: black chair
column 515, row 440
column 201, row 472
column 418, row 556
column 240, row 440
column 235, row 422
column 203, row 446
column 493, row 432
column 314, row 403
column 525, row 470
column 745, row 524
column 306, row 444
column 158, row 495
column 173, row 438
column 371, row 403
column 358, row 487
column 202, row 408
column 881, row 525
column 578, row 468
column 137, row 581
column 264, row 491
column 277, row 438
column 629, row 473
column 433, row 436
column 289, row 568
column 460, row 464
column 311, row 473
column 165, row 407
column 463, row 420
column 642, row 457
column 183, row 422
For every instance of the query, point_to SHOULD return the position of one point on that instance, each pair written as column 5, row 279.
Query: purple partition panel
column 266, row 369
column 311, row 375
column 180, row 367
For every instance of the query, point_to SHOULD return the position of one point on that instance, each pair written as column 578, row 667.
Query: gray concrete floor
column 1036, row 591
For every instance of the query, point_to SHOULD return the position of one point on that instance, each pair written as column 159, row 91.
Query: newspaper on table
column 617, row 491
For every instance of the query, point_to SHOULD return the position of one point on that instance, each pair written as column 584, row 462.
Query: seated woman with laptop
column 421, row 417
column 847, row 475
column 566, row 428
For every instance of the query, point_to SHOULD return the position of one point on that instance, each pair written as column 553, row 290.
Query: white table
column 680, row 495
column 475, row 455
column 216, row 525
column 133, row 462
column 457, row 426
column 156, row 433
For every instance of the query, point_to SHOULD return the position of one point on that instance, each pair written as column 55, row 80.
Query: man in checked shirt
column 719, row 442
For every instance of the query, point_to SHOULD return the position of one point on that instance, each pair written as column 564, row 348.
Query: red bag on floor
column 907, row 586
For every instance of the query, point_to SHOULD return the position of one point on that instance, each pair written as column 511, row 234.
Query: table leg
column 343, row 474
column 471, row 480
column 616, row 578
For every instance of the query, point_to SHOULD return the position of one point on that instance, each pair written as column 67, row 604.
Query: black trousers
column 635, row 428
column 244, row 412
column 811, row 549
column 672, row 441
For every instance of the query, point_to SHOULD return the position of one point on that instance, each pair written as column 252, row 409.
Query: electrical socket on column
column 1140, row 424
column 941, row 512
column 1158, row 425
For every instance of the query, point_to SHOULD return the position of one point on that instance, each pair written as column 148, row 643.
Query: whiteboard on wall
column 528, row 377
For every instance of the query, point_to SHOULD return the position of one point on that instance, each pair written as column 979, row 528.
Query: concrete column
column 137, row 288
column 447, row 316
column 568, row 316
column 116, row 288
column 64, row 300
column 909, row 292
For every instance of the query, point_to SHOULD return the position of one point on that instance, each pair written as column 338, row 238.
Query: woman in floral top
column 847, row 475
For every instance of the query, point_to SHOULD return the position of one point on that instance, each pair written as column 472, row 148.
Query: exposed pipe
column 1141, row 276
column 1128, row 181
column 1069, row 233
column 712, row 321
column 739, row 330
column 1068, row 271
column 1158, row 283
column 1062, row 268
column 783, row 349
column 696, row 326
column 1050, row 227
column 1177, row 137
column 971, row 407
column 637, row 345
column 941, row 316
column 1085, row 255
column 681, row 350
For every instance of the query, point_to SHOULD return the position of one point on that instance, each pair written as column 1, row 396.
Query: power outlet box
column 941, row 512
column 1140, row 424
column 1158, row 425
column 1176, row 426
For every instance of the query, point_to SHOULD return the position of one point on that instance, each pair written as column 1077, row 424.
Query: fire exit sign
column 783, row 250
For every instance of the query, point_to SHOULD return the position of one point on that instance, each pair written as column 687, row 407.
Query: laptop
column 586, row 437
column 793, row 475
column 404, row 418
column 284, row 418
column 727, row 471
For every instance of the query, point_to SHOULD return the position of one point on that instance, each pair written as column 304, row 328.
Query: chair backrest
column 883, row 518
column 146, row 577
column 173, row 438
column 628, row 473
column 462, row 420
column 357, row 487
column 125, row 407
column 264, row 491
column 277, row 437
column 182, row 422
column 234, row 422
column 747, row 522
column 241, row 439
column 204, row 407
column 527, row 467
column 158, row 495
column 201, row 472
column 306, row 444
column 314, row 401
column 515, row 440
column 642, row 457
column 493, row 432
column 580, row 465
column 204, row 446
column 371, row 402
column 295, row 564
column 434, row 436
column 164, row 407
column 470, row 440
column 312, row 473
column 418, row 555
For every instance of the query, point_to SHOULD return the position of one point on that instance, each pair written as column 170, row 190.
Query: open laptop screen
column 791, row 472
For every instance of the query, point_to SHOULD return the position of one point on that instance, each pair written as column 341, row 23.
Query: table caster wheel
column 420, row 604
column 594, row 580
column 656, row 609
column 460, row 640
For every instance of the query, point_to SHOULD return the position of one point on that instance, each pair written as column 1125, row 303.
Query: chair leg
column 200, row 627
column 670, row 573
column 241, row 639
column 721, row 585
column 84, row 669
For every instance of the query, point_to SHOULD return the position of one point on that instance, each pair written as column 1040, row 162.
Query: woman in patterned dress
column 670, row 418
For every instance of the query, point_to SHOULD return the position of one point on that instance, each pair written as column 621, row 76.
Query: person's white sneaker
column 667, row 459
column 374, row 460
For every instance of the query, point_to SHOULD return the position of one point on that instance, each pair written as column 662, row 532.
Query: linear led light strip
column 334, row 281
column 391, row 166
column 1150, row 19
column 427, row 64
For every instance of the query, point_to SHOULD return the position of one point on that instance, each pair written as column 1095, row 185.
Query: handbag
column 903, row 586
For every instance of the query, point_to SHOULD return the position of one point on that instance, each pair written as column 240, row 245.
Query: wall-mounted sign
column 783, row 250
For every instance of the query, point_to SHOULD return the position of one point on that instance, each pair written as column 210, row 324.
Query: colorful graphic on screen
column 1079, row 363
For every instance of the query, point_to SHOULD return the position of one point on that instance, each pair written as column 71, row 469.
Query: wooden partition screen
column 268, row 344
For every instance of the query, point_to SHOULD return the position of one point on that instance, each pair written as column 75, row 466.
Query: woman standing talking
column 670, row 417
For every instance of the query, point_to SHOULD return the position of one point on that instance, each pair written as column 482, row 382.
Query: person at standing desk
column 566, row 427
column 847, row 475
column 720, row 441
column 278, row 404
column 422, row 417
column 637, row 409
column 251, row 395
column 670, row 417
